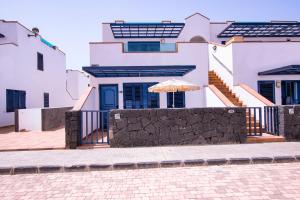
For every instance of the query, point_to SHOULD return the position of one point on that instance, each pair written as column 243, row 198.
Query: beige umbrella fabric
column 173, row 86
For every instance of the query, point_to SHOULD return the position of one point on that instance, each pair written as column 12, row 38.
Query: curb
column 145, row 165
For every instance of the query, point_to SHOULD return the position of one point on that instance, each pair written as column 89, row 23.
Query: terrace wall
column 289, row 122
column 156, row 127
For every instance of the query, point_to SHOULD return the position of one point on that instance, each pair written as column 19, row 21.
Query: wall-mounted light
column 35, row 31
column 214, row 47
column 1, row 35
column 278, row 84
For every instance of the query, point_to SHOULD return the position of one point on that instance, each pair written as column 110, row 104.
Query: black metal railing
column 94, row 127
column 254, row 121
column 271, row 119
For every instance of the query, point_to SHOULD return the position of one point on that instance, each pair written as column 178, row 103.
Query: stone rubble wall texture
column 53, row 118
column 156, row 127
column 72, row 128
column 289, row 124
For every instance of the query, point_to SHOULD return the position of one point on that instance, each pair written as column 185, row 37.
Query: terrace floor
column 33, row 140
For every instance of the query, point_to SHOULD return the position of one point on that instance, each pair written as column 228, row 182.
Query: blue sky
column 72, row 24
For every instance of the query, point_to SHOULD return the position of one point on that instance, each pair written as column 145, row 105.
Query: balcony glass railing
column 149, row 47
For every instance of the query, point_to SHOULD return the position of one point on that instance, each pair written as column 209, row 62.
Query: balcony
column 142, row 47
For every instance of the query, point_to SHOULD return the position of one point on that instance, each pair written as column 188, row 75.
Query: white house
column 33, row 71
column 232, row 62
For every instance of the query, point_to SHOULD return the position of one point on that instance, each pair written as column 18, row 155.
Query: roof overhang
column 146, row 30
column 138, row 71
column 287, row 70
column 261, row 29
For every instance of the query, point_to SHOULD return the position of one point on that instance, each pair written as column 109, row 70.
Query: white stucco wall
column 196, row 25
column 9, row 30
column 215, row 29
column 188, row 54
column 77, row 83
column 221, row 61
column 249, row 58
column 19, row 72
column 212, row 100
column 30, row 119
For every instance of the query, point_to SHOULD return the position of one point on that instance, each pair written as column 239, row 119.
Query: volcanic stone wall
column 156, row 127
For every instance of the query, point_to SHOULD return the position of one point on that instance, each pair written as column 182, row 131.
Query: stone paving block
column 26, row 170
column 75, row 168
column 284, row 159
column 262, row 160
column 170, row 163
column 99, row 167
column 5, row 170
column 221, row 161
column 124, row 166
column 144, row 165
column 195, row 162
column 50, row 169
column 239, row 161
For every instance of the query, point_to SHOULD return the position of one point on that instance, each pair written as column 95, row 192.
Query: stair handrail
column 222, row 64
column 221, row 96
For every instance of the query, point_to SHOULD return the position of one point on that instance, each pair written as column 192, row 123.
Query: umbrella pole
column 173, row 99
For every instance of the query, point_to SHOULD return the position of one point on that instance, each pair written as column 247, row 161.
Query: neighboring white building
column 33, row 71
column 228, row 60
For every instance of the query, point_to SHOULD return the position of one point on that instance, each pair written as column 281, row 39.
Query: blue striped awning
column 139, row 71
column 262, row 29
column 146, row 30
column 287, row 70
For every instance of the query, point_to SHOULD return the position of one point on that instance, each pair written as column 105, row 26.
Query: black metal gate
column 94, row 127
column 254, row 121
column 271, row 119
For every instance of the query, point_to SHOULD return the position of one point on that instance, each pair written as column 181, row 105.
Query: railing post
column 255, row 130
column 108, row 127
column 81, row 128
column 250, row 118
column 260, row 121
column 92, row 127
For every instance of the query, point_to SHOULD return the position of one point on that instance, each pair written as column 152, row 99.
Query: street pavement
column 279, row 181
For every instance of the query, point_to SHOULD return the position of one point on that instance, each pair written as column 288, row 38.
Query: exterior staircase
column 215, row 80
column 252, row 123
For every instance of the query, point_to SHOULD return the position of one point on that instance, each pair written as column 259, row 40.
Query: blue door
column 108, row 100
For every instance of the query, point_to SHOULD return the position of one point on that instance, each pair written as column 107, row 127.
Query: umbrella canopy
column 173, row 86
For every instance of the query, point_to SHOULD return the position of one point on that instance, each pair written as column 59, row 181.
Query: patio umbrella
column 173, row 86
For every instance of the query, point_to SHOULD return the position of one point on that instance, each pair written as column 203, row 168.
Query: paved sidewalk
column 33, row 140
column 231, row 182
column 161, row 156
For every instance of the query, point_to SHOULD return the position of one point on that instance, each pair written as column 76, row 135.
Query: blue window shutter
column 169, row 99
column 9, row 100
column 22, row 100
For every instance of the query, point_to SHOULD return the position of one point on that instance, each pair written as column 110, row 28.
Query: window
column 267, row 90
column 179, row 99
column 46, row 100
column 40, row 61
column 290, row 92
column 15, row 99
column 136, row 96
column 143, row 46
